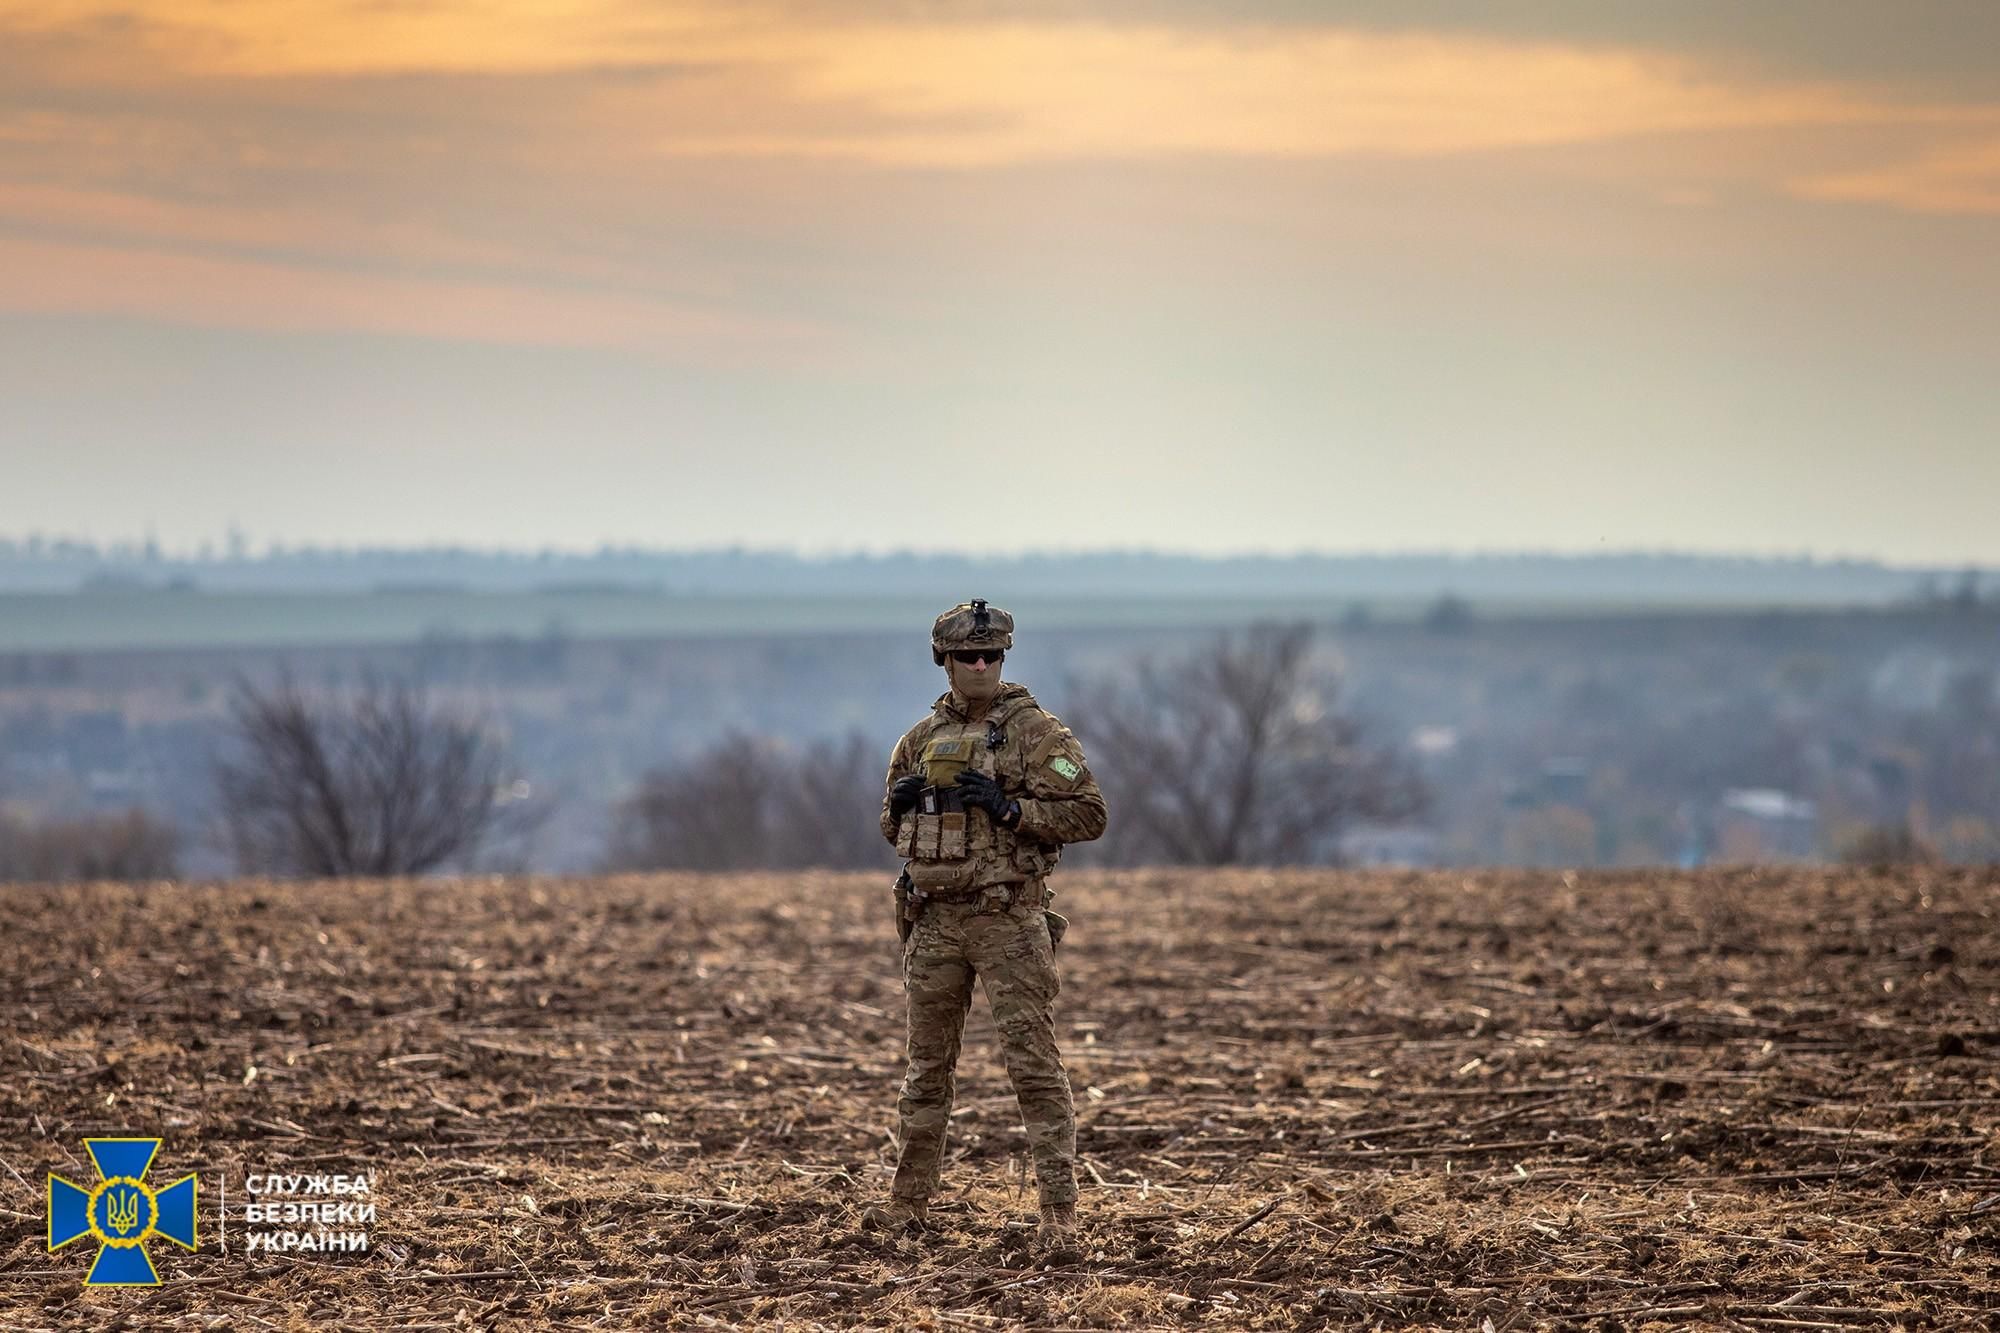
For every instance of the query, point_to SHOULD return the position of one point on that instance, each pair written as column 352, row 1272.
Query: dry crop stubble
column 1759, row 1099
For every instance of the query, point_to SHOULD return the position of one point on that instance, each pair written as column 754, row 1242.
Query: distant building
column 1762, row 825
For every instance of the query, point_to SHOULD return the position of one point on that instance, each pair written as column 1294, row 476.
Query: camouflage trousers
column 1005, row 944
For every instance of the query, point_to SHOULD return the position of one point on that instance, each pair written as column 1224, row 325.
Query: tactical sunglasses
column 967, row 656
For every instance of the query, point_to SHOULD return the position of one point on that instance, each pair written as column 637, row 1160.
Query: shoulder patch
column 1051, row 740
column 1065, row 767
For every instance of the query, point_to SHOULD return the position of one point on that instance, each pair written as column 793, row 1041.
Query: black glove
column 903, row 794
column 983, row 793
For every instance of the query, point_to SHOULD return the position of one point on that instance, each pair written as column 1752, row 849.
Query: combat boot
column 1056, row 1238
column 895, row 1215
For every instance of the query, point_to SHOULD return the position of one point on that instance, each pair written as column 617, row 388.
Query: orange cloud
column 120, row 216
column 60, row 278
column 978, row 93
column 280, row 38
column 1962, row 178
column 541, row 170
column 995, row 94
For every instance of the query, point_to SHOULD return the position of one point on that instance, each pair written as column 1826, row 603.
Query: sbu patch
column 946, row 757
column 1065, row 767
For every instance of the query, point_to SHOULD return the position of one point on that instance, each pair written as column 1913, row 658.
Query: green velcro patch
column 1065, row 766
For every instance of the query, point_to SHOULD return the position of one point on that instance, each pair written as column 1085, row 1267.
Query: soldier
column 982, row 795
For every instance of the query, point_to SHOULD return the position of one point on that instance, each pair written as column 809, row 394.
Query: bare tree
column 707, row 814
column 385, row 783
column 1880, row 846
column 826, row 805
column 127, row 846
column 754, row 803
column 1235, row 755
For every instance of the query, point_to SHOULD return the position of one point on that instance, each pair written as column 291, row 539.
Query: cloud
column 765, row 81
column 963, row 96
column 661, row 174
column 1960, row 178
column 53, row 277
column 1932, row 48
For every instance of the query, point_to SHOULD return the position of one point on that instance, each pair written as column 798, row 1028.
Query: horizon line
column 148, row 550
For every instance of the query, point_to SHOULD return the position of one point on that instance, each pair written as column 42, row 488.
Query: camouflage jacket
column 1039, row 764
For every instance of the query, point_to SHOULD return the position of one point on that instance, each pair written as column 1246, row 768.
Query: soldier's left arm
column 1062, row 803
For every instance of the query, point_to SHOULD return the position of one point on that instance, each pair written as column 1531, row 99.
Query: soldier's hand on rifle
column 903, row 794
column 983, row 792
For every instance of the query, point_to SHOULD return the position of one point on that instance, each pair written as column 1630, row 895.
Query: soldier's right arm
column 902, row 761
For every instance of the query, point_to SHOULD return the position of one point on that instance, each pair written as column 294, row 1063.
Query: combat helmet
column 971, row 625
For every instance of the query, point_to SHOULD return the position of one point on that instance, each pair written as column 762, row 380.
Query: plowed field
column 1757, row 1100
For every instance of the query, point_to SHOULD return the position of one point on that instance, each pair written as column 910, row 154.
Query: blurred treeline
column 1554, row 740
column 125, row 845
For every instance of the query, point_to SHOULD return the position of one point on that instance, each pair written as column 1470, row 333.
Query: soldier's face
column 976, row 680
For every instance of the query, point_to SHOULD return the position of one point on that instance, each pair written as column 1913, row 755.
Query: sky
column 1263, row 275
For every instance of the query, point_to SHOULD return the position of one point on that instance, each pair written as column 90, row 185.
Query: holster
column 1058, row 923
column 906, row 919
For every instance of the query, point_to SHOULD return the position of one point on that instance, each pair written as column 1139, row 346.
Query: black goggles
column 967, row 656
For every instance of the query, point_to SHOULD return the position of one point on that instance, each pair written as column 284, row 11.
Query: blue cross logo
column 122, row 1212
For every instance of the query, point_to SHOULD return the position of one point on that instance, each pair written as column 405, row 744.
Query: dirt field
column 1306, row 1099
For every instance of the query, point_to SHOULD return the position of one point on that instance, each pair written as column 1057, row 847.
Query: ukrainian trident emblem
column 122, row 1212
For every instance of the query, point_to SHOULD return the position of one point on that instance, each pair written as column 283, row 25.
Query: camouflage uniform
column 978, row 909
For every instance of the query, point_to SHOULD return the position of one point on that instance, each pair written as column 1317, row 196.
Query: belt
column 966, row 895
